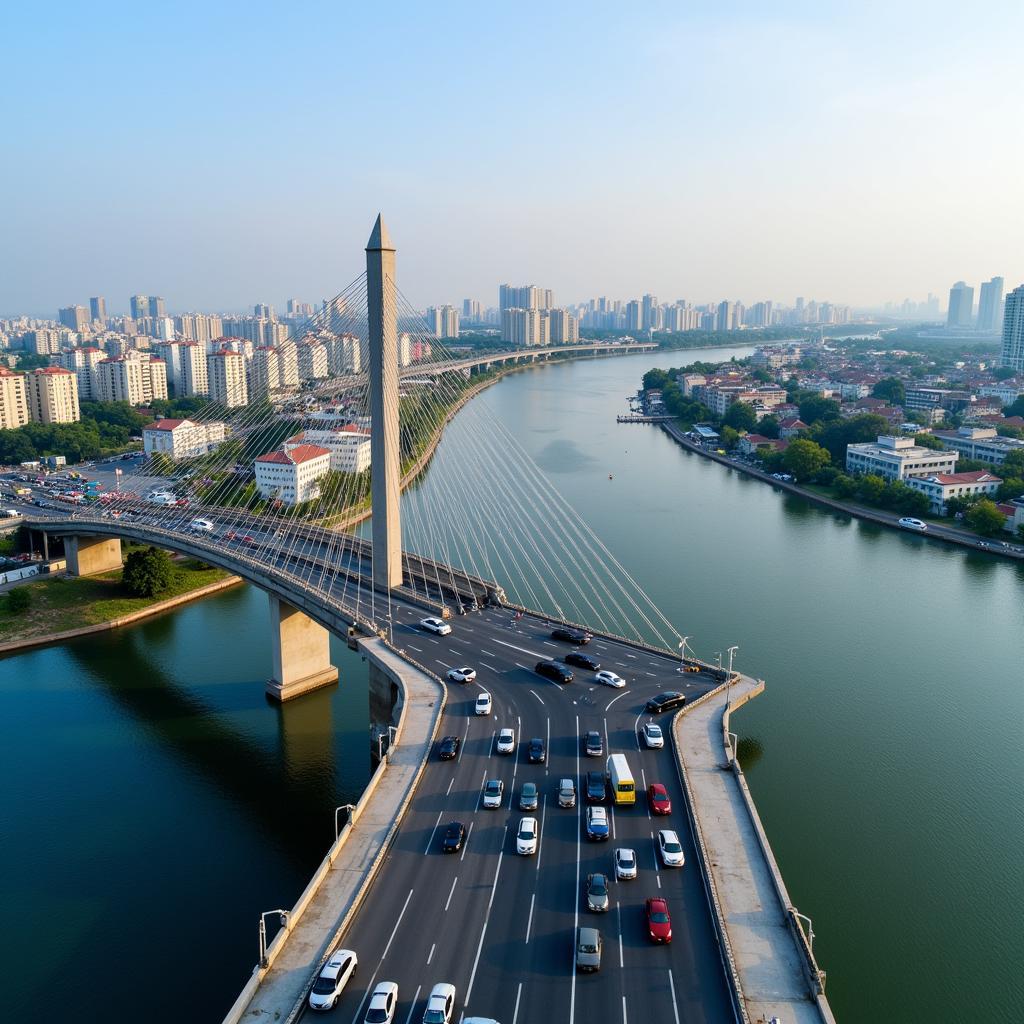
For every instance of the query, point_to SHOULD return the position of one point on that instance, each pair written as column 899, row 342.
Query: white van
column 161, row 498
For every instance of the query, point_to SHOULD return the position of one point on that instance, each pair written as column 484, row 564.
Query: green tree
column 148, row 572
column 845, row 486
column 19, row 600
column 1013, row 464
column 1015, row 408
column 891, row 389
column 815, row 409
column 1004, row 372
column 803, row 458
column 655, row 379
column 740, row 416
column 728, row 436
column 768, row 426
column 1011, row 487
column 923, row 440
column 871, row 488
column 983, row 517
column 837, row 434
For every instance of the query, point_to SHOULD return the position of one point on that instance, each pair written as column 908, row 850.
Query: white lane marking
column 611, row 817
column 451, row 782
column 487, row 918
column 529, row 920
column 518, row 665
column 394, row 931
column 519, row 743
column 515, row 1012
column 547, row 747
column 548, row 643
column 430, row 841
column 597, row 643
column 491, row 748
column 412, row 647
column 651, row 674
column 658, row 877
column 450, row 891
column 465, row 845
column 614, row 699
column 453, row 651
column 415, row 999
column 480, row 798
column 543, row 815
column 443, row 664
column 537, row 695
column 488, row 653
column 576, row 902
column 432, row 640
column 430, row 955
column 618, row 911
column 522, row 650
column 636, row 730
column 672, row 985
column 607, row 745
column 487, row 664
column 462, row 745
column 643, row 775
column 466, row 642
column 633, row 656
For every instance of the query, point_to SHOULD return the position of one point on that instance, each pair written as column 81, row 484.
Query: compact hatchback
column 526, row 837
column 909, row 523
column 597, row 892
column 593, row 746
column 461, row 675
column 535, row 753
column 483, row 704
column 566, row 793
column 610, row 679
column 625, row 863
column 653, row 738
column 595, row 787
column 383, row 1004
column 670, row 848
column 438, row 626
column 506, row 742
column 658, row 799
column 332, row 979
column 454, row 836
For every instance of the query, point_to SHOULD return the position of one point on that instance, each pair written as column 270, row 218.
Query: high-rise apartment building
column 226, row 374
column 961, row 305
column 136, row 378
column 443, row 321
column 157, row 306
column 1013, row 331
column 471, row 310
column 13, row 400
column 264, row 371
column 139, row 306
column 194, row 372
column 634, row 315
column 74, row 318
column 44, row 341
column 313, row 361
column 82, row 362
column 98, row 308
column 563, row 327
column 649, row 313
column 52, row 394
column 524, row 297
column 990, row 304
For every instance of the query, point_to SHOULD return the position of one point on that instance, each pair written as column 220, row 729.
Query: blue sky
column 222, row 154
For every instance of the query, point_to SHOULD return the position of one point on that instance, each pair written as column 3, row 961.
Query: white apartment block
column 82, row 362
column 981, row 443
column 264, row 371
column 135, row 378
column 52, row 394
column 194, row 370
column 349, row 448
column 940, row 487
column 313, row 361
column 227, row 378
column 182, row 439
column 13, row 400
column 898, row 458
column 292, row 475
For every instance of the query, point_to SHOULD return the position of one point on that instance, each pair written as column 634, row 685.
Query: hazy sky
column 221, row 154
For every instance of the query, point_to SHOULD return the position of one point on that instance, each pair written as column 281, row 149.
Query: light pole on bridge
column 682, row 653
column 349, row 808
column 284, row 914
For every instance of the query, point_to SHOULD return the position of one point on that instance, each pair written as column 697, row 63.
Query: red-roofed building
column 751, row 443
column 291, row 474
column 940, row 487
column 791, row 427
column 182, row 439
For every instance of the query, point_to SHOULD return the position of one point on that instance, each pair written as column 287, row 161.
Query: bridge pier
column 89, row 556
column 301, row 649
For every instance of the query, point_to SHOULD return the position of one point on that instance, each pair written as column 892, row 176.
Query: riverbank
column 66, row 607
column 890, row 519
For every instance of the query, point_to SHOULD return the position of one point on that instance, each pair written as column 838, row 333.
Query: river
column 154, row 803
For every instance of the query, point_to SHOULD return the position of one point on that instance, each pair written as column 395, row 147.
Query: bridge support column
column 301, row 653
column 89, row 556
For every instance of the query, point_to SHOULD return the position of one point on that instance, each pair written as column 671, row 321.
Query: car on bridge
column 440, row 1005
column 593, row 745
column 483, row 703
column 526, row 837
column 566, row 793
column 670, row 848
column 610, row 679
column 653, row 737
column 332, row 979
column 659, row 922
column 597, row 892
column 581, row 660
column 597, row 824
column 596, row 790
column 588, row 949
column 665, row 701
column 454, row 835
column 625, row 863
column 494, row 790
column 535, row 752
column 571, row 636
column 506, row 741
column 528, row 797
column 383, row 1004
column 449, row 748
column 554, row 670
column 437, row 626
column 658, row 799
column 461, row 675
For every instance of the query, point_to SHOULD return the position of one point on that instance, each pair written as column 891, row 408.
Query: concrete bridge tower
column 384, row 444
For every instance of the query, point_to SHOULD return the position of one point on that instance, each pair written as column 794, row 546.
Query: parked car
column 658, row 799
column 454, row 834
column 670, row 848
column 597, row 824
column 593, row 745
column 582, row 661
column 666, row 701
column 535, row 753
column 659, row 923
column 554, row 670
column 595, row 787
column 529, row 798
column 438, row 626
column 625, row 863
column 494, row 790
column 506, row 741
column 526, row 837
column 483, row 704
column 610, row 679
column 653, row 738
column 461, row 675
column 597, row 892
column 383, row 1004
column 440, row 1005
column 571, row 636
column 449, row 748
column 332, row 979
column 588, row 949
column 566, row 793
column 910, row 523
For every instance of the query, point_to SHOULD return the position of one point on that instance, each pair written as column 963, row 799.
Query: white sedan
column 653, row 737
column 610, row 679
column 483, row 703
column 440, row 1005
column 201, row 526
column 461, row 675
column 526, row 837
column 383, row 1004
column 506, row 741
column 438, row 626
column 625, row 863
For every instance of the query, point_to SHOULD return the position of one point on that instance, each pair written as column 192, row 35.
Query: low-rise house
column 291, row 475
column 791, row 427
column 940, row 487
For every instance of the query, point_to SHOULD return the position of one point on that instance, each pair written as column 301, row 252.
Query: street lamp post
column 718, row 660
column 263, row 932
column 728, row 683
column 682, row 654
column 350, row 808
column 391, row 739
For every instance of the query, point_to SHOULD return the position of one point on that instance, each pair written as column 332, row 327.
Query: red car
column 657, row 799
column 249, row 540
column 659, row 924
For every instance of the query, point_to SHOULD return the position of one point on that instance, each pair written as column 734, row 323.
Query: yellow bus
column 621, row 780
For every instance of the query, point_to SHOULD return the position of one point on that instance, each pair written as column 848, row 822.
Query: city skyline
column 718, row 193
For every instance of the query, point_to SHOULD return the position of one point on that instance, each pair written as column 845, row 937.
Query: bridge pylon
column 382, row 319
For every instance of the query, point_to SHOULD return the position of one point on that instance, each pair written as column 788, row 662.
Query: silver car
column 588, row 949
column 625, row 863
column 566, row 793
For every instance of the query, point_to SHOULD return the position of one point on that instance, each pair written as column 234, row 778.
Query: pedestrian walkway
column 768, row 958
column 282, row 988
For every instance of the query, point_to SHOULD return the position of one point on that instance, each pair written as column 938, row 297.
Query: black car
column 593, row 745
column 666, row 701
column 582, row 661
column 595, row 787
column 553, row 670
column 572, row 636
column 449, row 748
column 535, row 752
column 453, row 837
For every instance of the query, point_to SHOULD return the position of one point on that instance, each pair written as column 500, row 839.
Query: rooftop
column 294, row 456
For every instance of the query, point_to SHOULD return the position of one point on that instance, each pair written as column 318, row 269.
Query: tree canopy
column 815, row 409
column 147, row 572
column 803, row 458
column 740, row 416
column 890, row 389
column 983, row 517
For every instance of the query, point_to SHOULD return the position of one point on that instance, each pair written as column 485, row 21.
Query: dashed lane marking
column 537, row 695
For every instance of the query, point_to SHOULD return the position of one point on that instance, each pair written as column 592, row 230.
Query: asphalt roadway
column 499, row 926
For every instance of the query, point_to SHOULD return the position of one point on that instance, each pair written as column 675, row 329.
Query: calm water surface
column 153, row 801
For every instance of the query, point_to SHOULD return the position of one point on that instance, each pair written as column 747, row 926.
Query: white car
column 653, row 737
column 201, row 526
column 909, row 523
column 670, row 848
column 506, row 741
column 438, row 626
column 610, row 679
column 440, row 1005
column 494, row 790
column 483, row 704
column 625, row 863
column 526, row 837
column 383, row 1004
column 333, row 978
column 461, row 675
